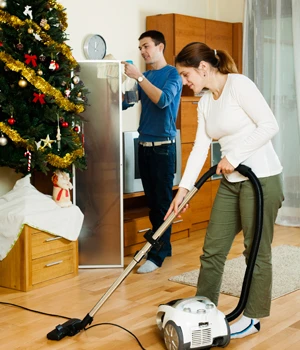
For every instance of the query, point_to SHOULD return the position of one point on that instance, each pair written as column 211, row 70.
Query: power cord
column 113, row 324
column 69, row 318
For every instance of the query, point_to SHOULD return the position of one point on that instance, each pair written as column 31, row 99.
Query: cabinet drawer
column 52, row 266
column 135, row 229
column 44, row 244
column 182, row 223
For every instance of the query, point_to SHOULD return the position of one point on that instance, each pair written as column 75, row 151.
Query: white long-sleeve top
column 243, row 123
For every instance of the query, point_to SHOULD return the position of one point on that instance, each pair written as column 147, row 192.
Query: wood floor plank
column 134, row 304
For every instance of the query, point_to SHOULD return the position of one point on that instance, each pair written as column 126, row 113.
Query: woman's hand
column 181, row 193
column 224, row 167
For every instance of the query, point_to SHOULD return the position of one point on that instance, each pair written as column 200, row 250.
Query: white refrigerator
column 99, row 189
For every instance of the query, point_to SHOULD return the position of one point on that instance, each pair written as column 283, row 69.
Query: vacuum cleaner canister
column 192, row 323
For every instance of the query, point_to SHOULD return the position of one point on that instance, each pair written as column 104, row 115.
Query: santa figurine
column 53, row 65
column 61, row 188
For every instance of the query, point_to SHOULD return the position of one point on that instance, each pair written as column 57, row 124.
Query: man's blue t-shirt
column 158, row 121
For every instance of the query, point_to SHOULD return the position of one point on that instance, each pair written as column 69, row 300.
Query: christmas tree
column 41, row 97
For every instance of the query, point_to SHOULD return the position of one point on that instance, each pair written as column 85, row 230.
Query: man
column 159, row 93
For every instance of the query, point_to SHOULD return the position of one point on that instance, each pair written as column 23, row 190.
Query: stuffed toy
column 61, row 188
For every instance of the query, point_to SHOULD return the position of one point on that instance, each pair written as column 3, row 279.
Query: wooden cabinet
column 137, row 223
column 38, row 259
column 201, row 203
column 179, row 30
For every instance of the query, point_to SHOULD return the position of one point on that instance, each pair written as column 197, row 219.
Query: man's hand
column 130, row 70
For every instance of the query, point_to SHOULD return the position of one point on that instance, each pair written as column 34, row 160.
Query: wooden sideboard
column 38, row 259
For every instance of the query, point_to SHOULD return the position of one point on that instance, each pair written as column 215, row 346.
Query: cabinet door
column 201, row 204
column 219, row 35
column 188, row 121
column 185, row 152
column 188, row 29
column 164, row 24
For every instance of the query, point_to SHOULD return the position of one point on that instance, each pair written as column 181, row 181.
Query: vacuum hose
column 247, row 172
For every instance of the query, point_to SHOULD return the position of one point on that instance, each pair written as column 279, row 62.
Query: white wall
column 121, row 23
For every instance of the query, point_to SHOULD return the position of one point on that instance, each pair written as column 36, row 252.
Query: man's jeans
column 157, row 168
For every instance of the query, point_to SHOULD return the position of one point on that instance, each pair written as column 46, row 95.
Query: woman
column 234, row 112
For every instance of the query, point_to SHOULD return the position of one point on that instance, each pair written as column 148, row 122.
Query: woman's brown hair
column 192, row 54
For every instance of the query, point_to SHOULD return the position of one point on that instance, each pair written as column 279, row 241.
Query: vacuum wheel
column 222, row 342
column 226, row 338
column 173, row 336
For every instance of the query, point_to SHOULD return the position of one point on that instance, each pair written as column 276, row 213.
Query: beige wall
column 120, row 23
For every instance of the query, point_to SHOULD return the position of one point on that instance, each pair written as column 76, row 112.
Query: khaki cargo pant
column 233, row 211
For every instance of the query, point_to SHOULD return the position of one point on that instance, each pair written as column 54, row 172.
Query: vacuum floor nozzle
column 69, row 328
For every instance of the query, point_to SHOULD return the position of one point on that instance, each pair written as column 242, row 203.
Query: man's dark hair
column 155, row 35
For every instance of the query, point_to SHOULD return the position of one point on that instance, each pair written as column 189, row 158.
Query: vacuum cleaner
column 192, row 323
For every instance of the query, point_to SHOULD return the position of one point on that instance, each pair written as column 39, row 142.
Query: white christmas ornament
column 3, row 140
column 28, row 11
column 38, row 144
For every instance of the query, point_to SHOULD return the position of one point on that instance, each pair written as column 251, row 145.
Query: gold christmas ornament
column 47, row 142
column 22, row 83
column 40, row 72
column 30, row 30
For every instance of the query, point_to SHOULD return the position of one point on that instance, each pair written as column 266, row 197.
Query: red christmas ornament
column 20, row 46
column 38, row 98
column 76, row 128
column 11, row 121
column 65, row 124
column 30, row 59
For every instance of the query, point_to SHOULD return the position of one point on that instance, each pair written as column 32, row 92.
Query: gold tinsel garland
column 53, row 159
column 14, row 135
column 15, row 22
column 63, row 15
column 40, row 83
column 66, row 161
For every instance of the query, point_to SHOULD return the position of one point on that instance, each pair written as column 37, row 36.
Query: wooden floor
column 133, row 306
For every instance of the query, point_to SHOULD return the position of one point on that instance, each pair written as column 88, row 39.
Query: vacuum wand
column 75, row 325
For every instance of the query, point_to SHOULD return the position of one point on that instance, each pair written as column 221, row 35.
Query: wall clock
column 94, row 47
